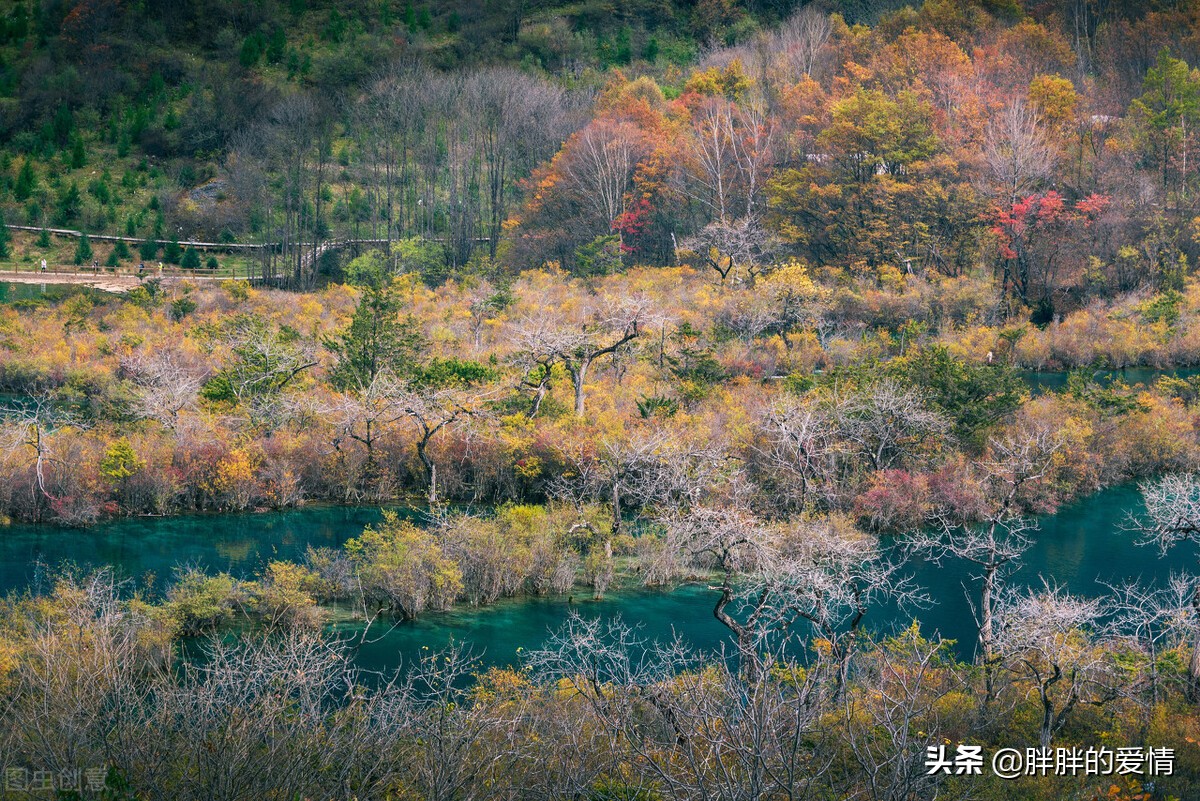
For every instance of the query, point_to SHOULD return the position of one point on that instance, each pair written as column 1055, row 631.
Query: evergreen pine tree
column 191, row 259
column 26, row 180
column 78, row 154
column 70, row 203
column 172, row 252
column 83, row 252
column 377, row 339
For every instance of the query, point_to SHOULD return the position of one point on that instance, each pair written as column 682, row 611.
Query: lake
column 11, row 292
column 1079, row 547
column 1042, row 382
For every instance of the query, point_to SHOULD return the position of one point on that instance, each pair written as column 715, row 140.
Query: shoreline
column 114, row 284
column 117, row 284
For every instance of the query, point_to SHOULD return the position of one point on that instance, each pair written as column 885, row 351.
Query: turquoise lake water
column 1040, row 382
column 1079, row 547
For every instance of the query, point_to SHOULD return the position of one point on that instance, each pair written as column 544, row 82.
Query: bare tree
column 601, row 329
column 165, row 386
column 362, row 415
column 1054, row 641
column 727, row 247
column 1154, row 620
column 599, row 164
column 621, row 472
column 995, row 544
column 452, row 758
column 432, row 410
column 1017, row 153
column 607, row 673
column 536, row 376
column 79, row 679
column 888, row 424
column 262, row 361
column 830, row 575
column 28, row 427
column 1172, row 516
column 521, row 119
column 800, row 451
column 732, row 541
column 896, row 712
column 802, row 38
column 690, row 726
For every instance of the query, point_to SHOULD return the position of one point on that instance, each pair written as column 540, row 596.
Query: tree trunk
column 430, row 470
column 985, row 614
column 1047, row 722
column 747, row 657
column 616, row 507
column 538, row 396
column 1194, row 662
column 578, row 375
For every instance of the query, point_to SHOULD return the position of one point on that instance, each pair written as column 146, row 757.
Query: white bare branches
column 889, row 423
column 600, row 165
column 165, row 386
column 1172, row 510
column 729, row 154
column 743, row 244
column 801, row 449
column 1054, row 642
column 995, row 544
column 602, row 327
column 830, row 575
column 29, row 426
column 1017, row 153
column 1172, row 516
column 802, row 38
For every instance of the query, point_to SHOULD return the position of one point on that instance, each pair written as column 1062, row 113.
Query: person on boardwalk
column 43, row 265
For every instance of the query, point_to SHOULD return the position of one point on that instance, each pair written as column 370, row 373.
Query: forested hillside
column 1048, row 142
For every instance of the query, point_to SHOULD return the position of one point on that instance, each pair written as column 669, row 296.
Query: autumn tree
column 403, row 567
column 874, row 191
column 1039, row 238
column 120, row 463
